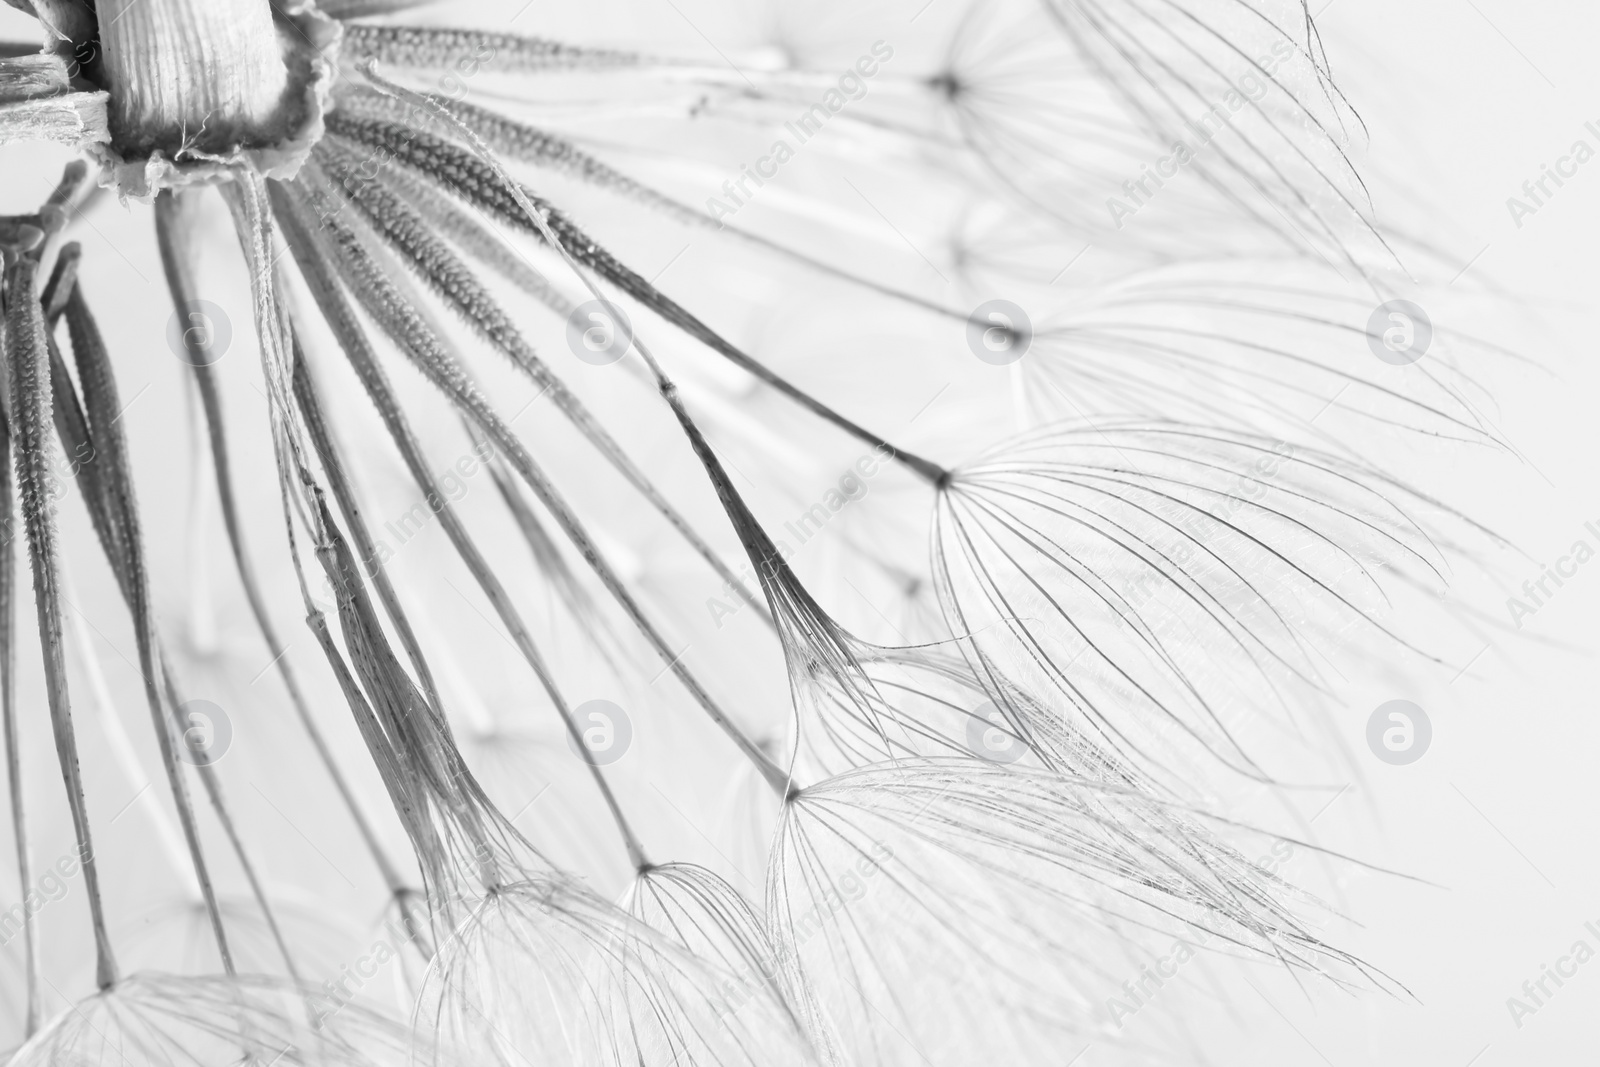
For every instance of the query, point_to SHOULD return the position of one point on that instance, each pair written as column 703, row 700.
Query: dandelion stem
column 409, row 233
column 29, row 375
column 192, row 75
column 8, row 712
column 487, row 184
column 201, row 625
column 175, row 236
column 530, row 144
column 114, row 535
column 391, row 307
column 546, row 555
column 776, row 578
column 104, row 409
column 405, row 441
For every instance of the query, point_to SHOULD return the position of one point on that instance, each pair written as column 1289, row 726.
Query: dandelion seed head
column 1106, row 580
column 152, row 1018
column 546, row 969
